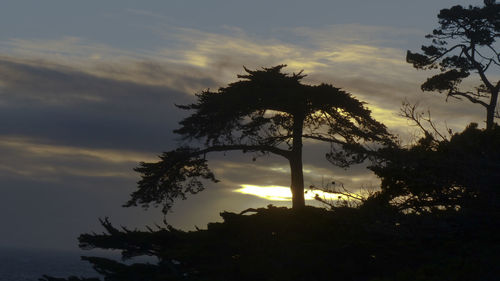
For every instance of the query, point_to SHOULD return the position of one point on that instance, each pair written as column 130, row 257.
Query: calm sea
column 29, row 265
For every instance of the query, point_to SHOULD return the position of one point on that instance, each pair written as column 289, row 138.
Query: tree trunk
column 490, row 109
column 297, row 184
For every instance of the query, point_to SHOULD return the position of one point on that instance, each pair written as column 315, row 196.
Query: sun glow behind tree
column 283, row 193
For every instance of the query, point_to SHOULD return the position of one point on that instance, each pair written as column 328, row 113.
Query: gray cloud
column 66, row 106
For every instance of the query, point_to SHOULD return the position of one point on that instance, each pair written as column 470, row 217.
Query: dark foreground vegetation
column 445, row 229
column 436, row 216
column 314, row 244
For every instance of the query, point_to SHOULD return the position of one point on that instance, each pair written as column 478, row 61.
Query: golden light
column 282, row 193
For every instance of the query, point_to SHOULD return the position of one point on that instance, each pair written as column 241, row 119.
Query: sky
column 88, row 90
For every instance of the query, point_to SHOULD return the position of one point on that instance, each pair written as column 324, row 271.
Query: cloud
column 36, row 159
column 318, row 51
column 79, row 93
column 354, row 33
column 42, row 150
column 368, row 61
column 79, row 113
column 315, row 50
column 74, row 107
column 66, row 50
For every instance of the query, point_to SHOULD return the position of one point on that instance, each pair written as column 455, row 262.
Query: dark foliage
column 372, row 242
column 267, row 111
column 447, row 174
column 179, row 171
column 452, row 234
column 465, row 42
column 72, row 278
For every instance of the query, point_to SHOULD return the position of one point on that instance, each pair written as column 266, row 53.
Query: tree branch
column 437, row 57
column 480, row 71
column 320, row 138
column 244, row 148
column 497, row 54
column 471, row 99
column 409, row 111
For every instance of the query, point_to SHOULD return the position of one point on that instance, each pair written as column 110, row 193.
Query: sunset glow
column 282, row 193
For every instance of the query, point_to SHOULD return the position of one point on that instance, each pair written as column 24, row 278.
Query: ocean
column 30, row 265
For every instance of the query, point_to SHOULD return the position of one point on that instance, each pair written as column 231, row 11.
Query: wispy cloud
column 364, row 60
column 109, row 96
column 37, row 159
column 43, row 150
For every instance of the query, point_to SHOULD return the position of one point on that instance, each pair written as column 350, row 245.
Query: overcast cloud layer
column 78, row 114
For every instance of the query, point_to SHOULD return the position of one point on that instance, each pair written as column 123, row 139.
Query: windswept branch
column 179, row 172
column 324, row 139
column 467, row 96
column 244, row 148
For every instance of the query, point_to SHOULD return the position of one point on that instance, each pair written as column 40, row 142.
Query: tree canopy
column 448, row 174
column 465, row 42
column 266, row 111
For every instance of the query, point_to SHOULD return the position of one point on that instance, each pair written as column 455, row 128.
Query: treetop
column 269, row 99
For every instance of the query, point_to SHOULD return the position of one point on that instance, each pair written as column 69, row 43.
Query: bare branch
column 345, row 198
column 410, row 112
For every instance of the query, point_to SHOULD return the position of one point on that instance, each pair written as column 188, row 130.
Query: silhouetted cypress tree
column 266, row 112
